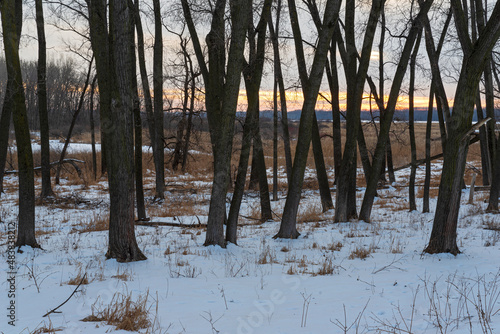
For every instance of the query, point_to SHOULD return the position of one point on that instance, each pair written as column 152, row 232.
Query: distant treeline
column 399, row 115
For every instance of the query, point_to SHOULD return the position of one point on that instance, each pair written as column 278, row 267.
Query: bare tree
column 42, row 101
column 385, row 125
column 288, row 227
column 443, row 237
column 222, row 84
column 345, row 207
column 115, row 71
column 11, row 12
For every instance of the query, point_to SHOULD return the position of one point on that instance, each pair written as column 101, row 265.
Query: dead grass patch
column 359, row 253
column 267, row 256
column 99, row 222
column 81, row 278
column 124, row 313
column 312, row 213
column 334, row 246
column 172, row 207
column 326, row 268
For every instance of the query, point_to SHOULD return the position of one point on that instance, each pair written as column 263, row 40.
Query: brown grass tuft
column 124, row 313
column 100, row 222
column 359, row 253
column 76, row 280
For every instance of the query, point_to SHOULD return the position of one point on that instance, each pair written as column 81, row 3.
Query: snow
column 262, row 285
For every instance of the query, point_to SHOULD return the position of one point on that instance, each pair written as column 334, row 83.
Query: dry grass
column 334, row 246
column 124, row 313
column 81, row 278
column 326, row 268
column 46, row 329
column 267, row 256
column 176, row 206
column 99, row 222
column 311, row 213
column 124, row 275
column 359, row 253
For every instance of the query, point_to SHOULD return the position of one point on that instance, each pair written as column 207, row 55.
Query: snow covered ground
column 315, row 284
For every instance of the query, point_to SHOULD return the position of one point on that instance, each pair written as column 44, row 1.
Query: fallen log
column 72, row 162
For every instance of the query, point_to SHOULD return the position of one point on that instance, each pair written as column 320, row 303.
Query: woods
column 229, row 44
column 216, row 162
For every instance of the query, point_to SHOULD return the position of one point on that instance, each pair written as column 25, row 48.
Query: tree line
column 226, row 44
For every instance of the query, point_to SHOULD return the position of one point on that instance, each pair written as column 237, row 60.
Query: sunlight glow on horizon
column 295, row 100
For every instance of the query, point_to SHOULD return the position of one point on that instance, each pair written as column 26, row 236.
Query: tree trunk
column 92, row 128
column 319, row 161
column 99, row 38
column 136, row 110
column 385, row 124
column 42, row 102
column 483, row 142
column 251, row 131
column 273, row 34
column 150, row 116
column 158, row 101
column 73, row 121
column 444, row 230
column 10, row 12
column 428, row 132
column 288, row 227
column 5, row 120
column 8, row 103
column 345, row 208
column 122, row 243
column 413, row 144
column 495, row 183
column 222, row 88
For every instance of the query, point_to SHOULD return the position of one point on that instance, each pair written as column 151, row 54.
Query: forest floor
column 352, row 277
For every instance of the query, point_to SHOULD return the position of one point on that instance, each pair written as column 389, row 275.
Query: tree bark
column 278, row 74
column 222, row 88
column 345, row 208
column 444, row 230
column 428, row 132
column 42, row 102
column 73, row 121
column 10, row 10
column 158, row 101
column 413, row 144
column 122, row 243
column 385, row 124
column 7, row 107
column 148, row 103
column 92, row 127
column 288, row 227
column 252, row 73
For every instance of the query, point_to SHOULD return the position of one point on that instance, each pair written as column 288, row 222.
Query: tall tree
column 413, row 144
column 278, row 78
column 443, row 237
column 148, row 104
column 345, row 208
column 11, row 11
column 222, row 82
column 288, row 228
column 7, row 107
column 113, row 52
column 158, row 101
column 385, row 124
column 42, row 101
column 252, row 73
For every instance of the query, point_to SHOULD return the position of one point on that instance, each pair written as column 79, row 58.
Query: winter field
column 352, row 277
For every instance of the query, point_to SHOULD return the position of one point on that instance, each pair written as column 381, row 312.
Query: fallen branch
column 72, row 162
column 55, row 309
column 434, row 157
column 155, row 224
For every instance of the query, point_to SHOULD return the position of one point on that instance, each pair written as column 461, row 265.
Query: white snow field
column 315, row 284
